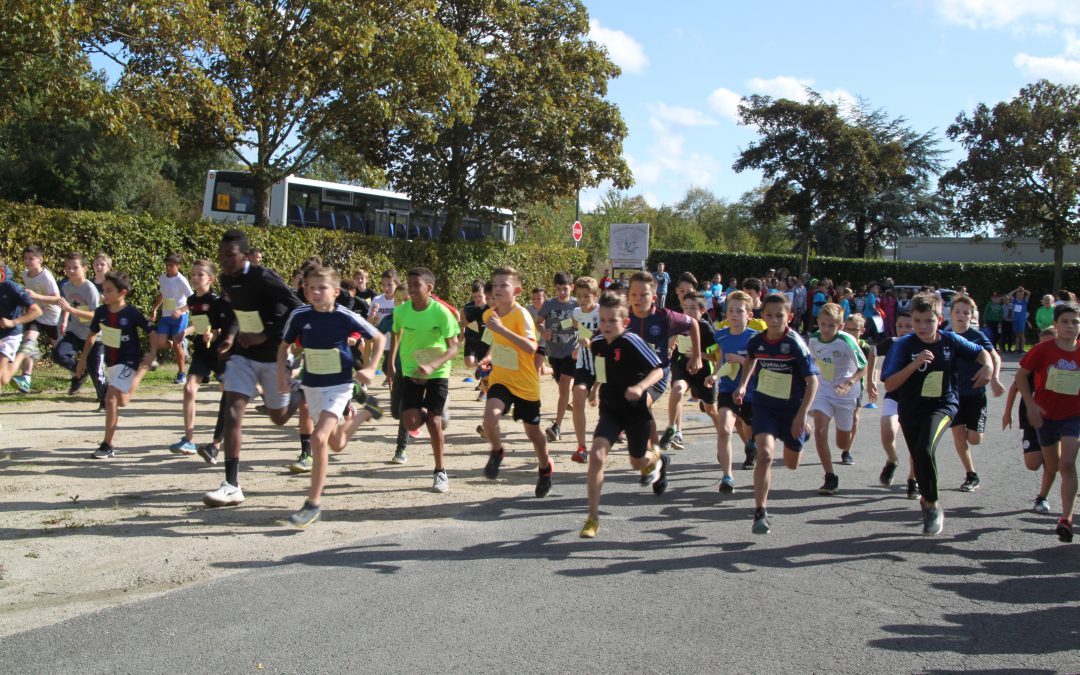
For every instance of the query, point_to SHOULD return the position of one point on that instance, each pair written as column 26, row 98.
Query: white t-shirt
column 382, row 307
column 44, row 284
column 838, row 359
column 173, row 289
column 589, row 321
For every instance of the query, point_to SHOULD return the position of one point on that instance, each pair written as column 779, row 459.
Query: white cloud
column 680, row 116
column 1036, row 15
column 1054, row 68
column 625, row 51
column 651, row 199
column 780, row 87
column 725, row 102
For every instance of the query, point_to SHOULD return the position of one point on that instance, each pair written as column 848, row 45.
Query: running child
column 425, row 333
column 102, row 266
column 173, row 292
column 118, row 324
column 1034, row 457
column 921, row 369
column 587, row 323
column 686, row 285
column 557, row 321
column 731, row 357
column 17, row 309
column 1053, row 407
column 783, row 376
column 698, row 384
column 323, row 329
column 889, row 422
column 855, row 326
column 626, row 368
column 41, row 286
column 382, row 316
column 538, row 297
column 841, row 364
column 472, row 318
column 78, row 299
column 515, row 384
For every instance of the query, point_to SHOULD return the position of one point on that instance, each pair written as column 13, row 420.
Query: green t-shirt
column 423, row 336
column 992, row 313
column 1044, row 317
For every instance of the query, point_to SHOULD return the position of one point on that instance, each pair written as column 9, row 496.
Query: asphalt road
column 673, row 584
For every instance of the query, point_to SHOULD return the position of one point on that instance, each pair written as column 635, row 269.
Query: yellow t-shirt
column 753, row 324
column 510, row 366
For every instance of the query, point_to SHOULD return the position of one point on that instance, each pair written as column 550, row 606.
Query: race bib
column 168, row 305
column 426, row 356
column 488, row 337
column 931, row 386
column 504, row 357
column 322, row 361
column 111, row 337
column 473, row 326
column 250, row 322
column 1063, row 381
column 684, row 345
column 776, row 385
column 730, row 370
column 601, row 369
column 201, row 323
column 566, row 324
column 828, row 370
column 585, row 334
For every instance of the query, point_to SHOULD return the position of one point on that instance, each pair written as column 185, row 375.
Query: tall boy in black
column 626, row 366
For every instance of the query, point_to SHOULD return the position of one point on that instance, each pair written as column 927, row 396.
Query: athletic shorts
column 242, row 374
column 1053, row 431
column 971, row 413
column 171, row 326
column 560, row 367
column 427, row 394
column 9, row 346
column 541, row 350
column 120, row 377
column 698, row 388
column 523, row 411
column 202, row 367
column 474, row 346
column 658, row 389
column 50, row 331
column 889, row 407
column 776, row 422
column 1030, row 443
column 333, row 399
column 583, row 377
column 744, row 411
column 638, row 428
column 839, row 410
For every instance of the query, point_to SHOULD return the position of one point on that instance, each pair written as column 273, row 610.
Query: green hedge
column 980, row 278
column 138, row 245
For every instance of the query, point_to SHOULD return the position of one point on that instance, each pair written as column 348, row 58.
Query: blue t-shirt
column 14, row 301
column 948, row 350
column 129, row 320
column 662, row 281
column 657, row 329
column 326, row 330
column 733, row 344
column 787, row 356
column 820, row 300
column 869, row 309
column 966, row 369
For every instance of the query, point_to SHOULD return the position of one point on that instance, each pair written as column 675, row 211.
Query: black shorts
column 541, row 350
column 51, row 332
column 200, row 366
column 583, row 377
column 428, row 394
column 744, row 411
column 700, row 390
column 474, row 346
column 1031, row 439
column 564, row 366
column 638, row 428
column 971, row 413
column 523, row 411
column 678, row 370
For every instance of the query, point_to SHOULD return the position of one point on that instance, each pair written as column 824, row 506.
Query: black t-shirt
column 705, row 330
column 218, row 312
column 257, row 289
column 627, row 360
column 474, row 314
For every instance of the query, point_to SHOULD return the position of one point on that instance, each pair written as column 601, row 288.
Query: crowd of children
column 773, row 362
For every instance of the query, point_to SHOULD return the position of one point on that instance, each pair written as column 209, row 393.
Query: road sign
column 577, row 231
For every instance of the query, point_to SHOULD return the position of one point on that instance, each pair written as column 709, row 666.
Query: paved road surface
column 672, row 584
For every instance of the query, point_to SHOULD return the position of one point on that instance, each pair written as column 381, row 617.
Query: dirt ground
column 78, row 534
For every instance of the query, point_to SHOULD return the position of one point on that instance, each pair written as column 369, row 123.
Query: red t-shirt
column 1041, row 360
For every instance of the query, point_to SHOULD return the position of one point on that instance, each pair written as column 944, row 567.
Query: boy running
column 731, row 357
column 79, row 298
column 41, row 287
column 889, row 423
column 557, row 319
column 173, row 292
column 699, row 384
column 587, row 322
column 626, row 367
column 17, row 309
column 1034, row 457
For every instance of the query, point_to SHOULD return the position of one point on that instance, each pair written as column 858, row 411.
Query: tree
column 282, row 84
column 538, row 128
column 1022, row 170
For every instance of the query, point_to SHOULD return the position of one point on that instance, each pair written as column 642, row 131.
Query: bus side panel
column 279, row 201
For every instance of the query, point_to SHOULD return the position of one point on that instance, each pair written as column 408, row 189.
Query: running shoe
column 913, row 489
column 554, row 433
column 761, row 522
column 491, row 469
column 440, row 482
column 751, row 457
column 1064, row 530
column 399, row 456
column 831, row 485
column 100, row 408
column 846, row 459
column 76, row 385
column 480, row 430
column 373, row 407
column 590, row 528
column 154, row 365
column 727, row 485
column 652, row 476
column 581, row 455
column 359, row 393
column 971, row 482
column 660, row 486
column 482, row 397
column 226, row 494
column 104, row 451
column 181, row 378
column 209, row 453
column 887, row 473
column 183, row 447
column 307, row 515
column 414, row 433
column 1041, row 505
column 665, row 440
column 677, row 441
column 543, row 481
column 22, row 382
column 933, row 521
column 302, row 464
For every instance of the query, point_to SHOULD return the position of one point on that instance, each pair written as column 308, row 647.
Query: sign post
column 577, row 231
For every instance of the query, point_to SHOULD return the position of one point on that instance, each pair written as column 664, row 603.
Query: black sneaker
column 971, row 482
column 913, row 489
column 360, row 394
column 553, row 433
column 76, row 385
column 208, row 452
column 665, row 439
column 887, row 473
column 543, row 482
column 491, row 469
column 831, row 485
column 1065, row 530
column 104, row 451
column 846, row 458
column 761, row 522
column 660, row 486
column 751, row 456
column 372, row 406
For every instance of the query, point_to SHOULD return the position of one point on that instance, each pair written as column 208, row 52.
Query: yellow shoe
column 592, row 525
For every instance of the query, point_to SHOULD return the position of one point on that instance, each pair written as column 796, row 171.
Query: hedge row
column 138, row 245
column 981, row 279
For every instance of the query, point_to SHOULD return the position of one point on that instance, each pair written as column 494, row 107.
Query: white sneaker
column 225, row 495
column 441, row 482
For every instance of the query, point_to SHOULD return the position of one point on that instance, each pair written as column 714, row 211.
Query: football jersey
column 781, row 369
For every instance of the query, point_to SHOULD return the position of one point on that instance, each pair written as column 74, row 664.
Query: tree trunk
column 262, row 200
column 860, row 237
column 1059, row 262
column 803, row 223
column 457, row 175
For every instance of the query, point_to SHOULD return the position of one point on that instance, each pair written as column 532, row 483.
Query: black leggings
column 922, row 435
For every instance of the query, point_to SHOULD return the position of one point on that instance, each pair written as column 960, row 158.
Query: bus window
column 234, row 193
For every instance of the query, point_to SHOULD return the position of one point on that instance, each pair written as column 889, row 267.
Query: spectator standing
column 662, row 282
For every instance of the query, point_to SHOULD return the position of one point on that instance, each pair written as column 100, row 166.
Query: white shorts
column 889, row 407
column 842, row 411
column 242, row 374
column 333, row 400
column 120, row 377
column 9, row 346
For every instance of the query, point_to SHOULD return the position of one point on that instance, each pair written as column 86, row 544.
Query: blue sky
column 686, row 63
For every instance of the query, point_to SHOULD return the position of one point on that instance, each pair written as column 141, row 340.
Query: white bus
column 301, row 202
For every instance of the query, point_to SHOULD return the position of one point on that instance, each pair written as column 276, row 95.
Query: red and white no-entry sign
column 577, row 230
